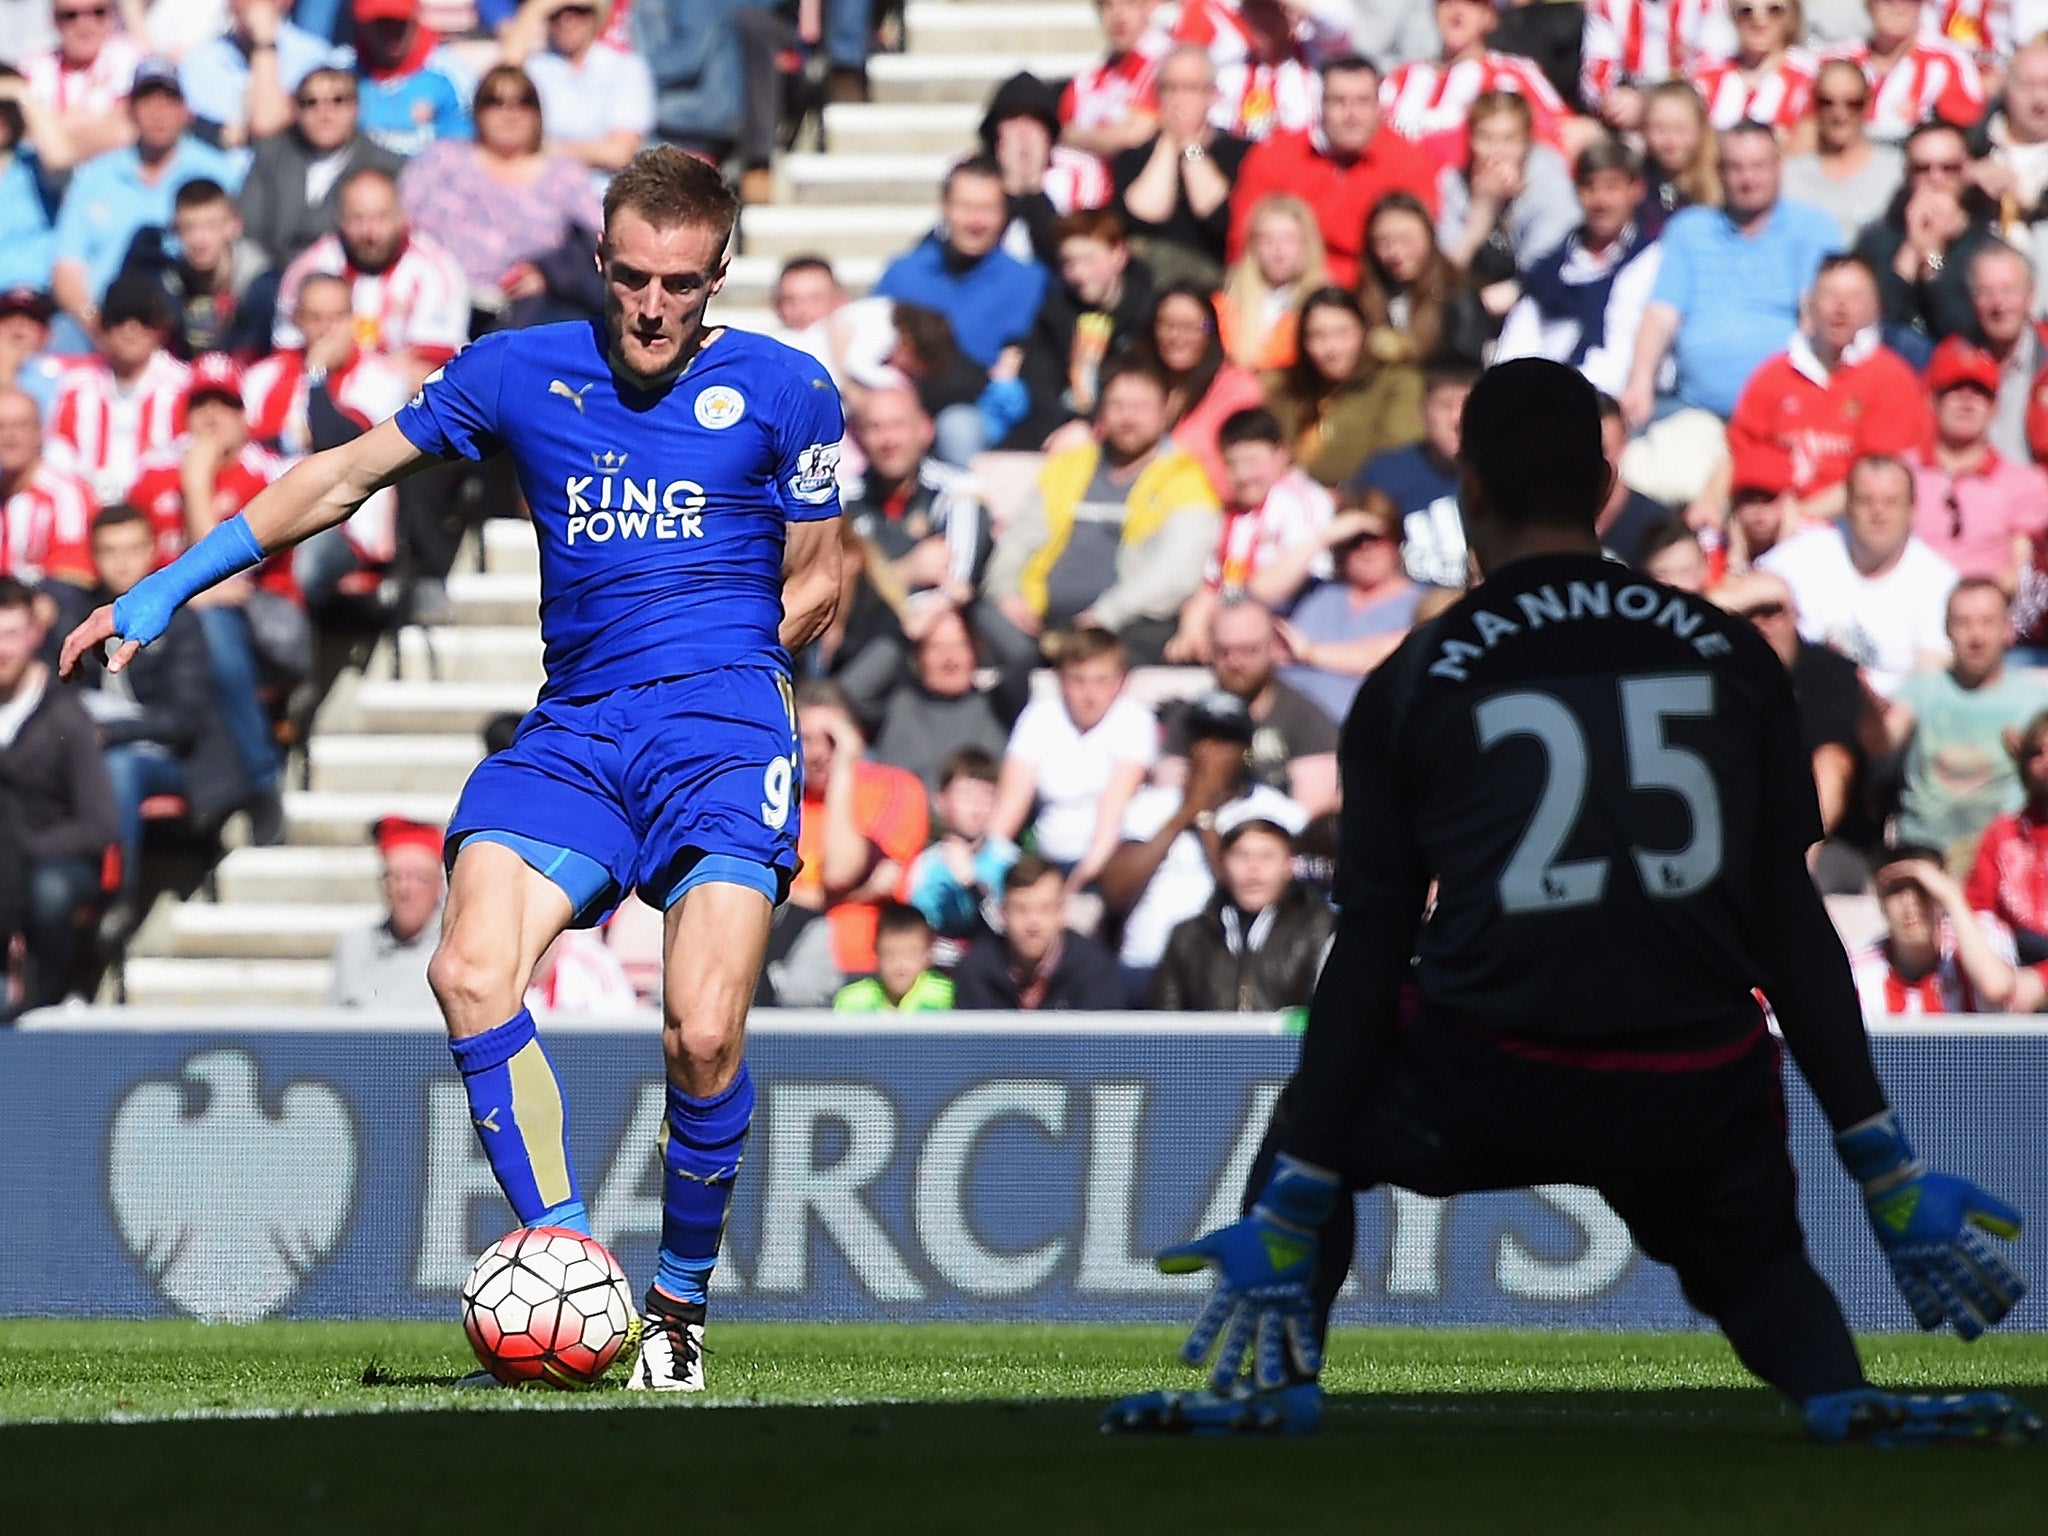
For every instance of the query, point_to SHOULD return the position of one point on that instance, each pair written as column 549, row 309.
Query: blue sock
column 520, row 1118
column 700, row 1157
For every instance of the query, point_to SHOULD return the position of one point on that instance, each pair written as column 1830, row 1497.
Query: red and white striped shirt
column 1628, row 42
column 368, row 390
column 1103, row 95
column 1255, row 94
column 585, row 978
column 1778, row 97
column 1982, row 28
column 105, row 429
column 159, row 490
column 1426, row 102
column 98, row 88
column 1934, row 79
column 46, row 527
column 1945, row 989
column 420, row 303
column 1295, row 511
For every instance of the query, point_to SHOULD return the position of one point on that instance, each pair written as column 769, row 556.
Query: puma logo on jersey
column 573, row 396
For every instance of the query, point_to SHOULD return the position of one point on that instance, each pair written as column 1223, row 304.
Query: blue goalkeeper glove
column 1928, row 1223
column 1263, row 1262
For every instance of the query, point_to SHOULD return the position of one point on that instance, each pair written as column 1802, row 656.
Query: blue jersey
column 661, row 513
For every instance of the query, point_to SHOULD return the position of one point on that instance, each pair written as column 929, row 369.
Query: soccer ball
column 546, row 1304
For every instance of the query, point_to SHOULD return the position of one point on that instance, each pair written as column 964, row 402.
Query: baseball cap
column 1957, row 362
column 1261, row 810
column 386, row 10
column 214, row 373
column 1218, row 714
column 403, row 832
column 26, row 301
column 156, row 75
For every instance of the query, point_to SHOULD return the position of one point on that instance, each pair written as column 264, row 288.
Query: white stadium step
column 233, row 930
column 339, row 818
column 168, row 981
column 508, row 548
column 470, row 653
column 287, row 874
column 940, row 26
column 841, row 179
column 881, row 127
column 787, row 229
column 398, row 762
column 493, row 597
column 967, row 76
column 447, row 708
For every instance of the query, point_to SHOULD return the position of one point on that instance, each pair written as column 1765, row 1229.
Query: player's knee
column 475, row 988
column 702, row 1054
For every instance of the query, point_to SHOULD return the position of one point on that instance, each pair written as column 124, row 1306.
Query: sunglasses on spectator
column 575, row 10
column 94, row 12
column 510, row 99
column 329, row 99
column 1759, row 12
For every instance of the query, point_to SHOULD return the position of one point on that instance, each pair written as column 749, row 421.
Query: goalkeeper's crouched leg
column 1786, row 1327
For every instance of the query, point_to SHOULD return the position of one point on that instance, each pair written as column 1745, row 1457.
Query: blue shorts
column 650, row 782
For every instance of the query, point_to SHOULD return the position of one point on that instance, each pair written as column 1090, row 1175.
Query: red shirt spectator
column 126, row 400
column 1428, row 100
column 1341, row 171
column 45, row 514
column 2010, row 877
column 1914, row 79
column 1779, row 95
column 1107, row 107
column 1803, row 423
column 1979, row 511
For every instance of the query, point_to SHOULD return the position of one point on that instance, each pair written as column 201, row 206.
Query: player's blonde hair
column 667, row 187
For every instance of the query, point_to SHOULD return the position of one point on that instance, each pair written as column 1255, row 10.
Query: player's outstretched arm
column 316, row 493
column 810, row 581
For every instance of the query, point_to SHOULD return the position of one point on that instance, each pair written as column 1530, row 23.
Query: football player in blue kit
column 683, row 489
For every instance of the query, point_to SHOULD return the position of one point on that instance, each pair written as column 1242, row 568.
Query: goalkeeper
column 1605, row 782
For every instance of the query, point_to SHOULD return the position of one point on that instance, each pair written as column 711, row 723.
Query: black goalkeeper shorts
column 1693, row 1160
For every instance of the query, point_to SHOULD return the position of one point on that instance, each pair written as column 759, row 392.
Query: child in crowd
column 904, row 981
column 963, row 869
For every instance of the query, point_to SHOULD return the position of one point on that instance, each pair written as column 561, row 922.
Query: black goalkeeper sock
column 1788, row 1329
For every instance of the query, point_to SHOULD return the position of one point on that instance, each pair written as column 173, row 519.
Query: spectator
column 126, row 190
column 84, row 81
column 1628, row 46
column 578, row 976
column 1164, row 869
column 862, row 824
column 413, row 89
column 2001, row 285
column 320, row 395
column 26, row 362
column 1583, row 302
column 126, row 400
column 1422, row 481
column 1040, row 965
column 1671, row 553
column 807, row 292
column 1294, row 746
column 1410, row 290
column 1258, row 944
column 1096, row 312
column 33, row 154
column 45, row 512
column 1205, row 388
column 1343, row 401
column 987, row 296
column 385, row 964
column 1979, row 511
column 409, row 297
column 1273, row 510
column 240, row 83
column 1952, row 726
column 52, row 779
column 1043, row 179
column 1258, row 307
column 1268, row 59
column 1923, row 248
column 222, row 292
column 1914, row 78
column 767, row 38
column 1173, row 188
column 904, row 981
column 2009, row 879
column 1394, row 31
column 1342, row 171
column 1936, row 956
column 520, row 222
column 954, row 881
column 1757, row 502
column 1339, row 630
column 1113, row 106
column 797, row 971
column 1078, row 757
column 953, row 389
column 1627, row 517
column 293, row 193
column 1508, row 203
column 1114, row 536
column 924, row 713
column 159, row 718
column 1681, row 158
column 1869, row 587
column 1428, row 102
column 2011, row 150
column 1768, row 78
column 597, row 100
column 1845, row 174
column 1810, row 412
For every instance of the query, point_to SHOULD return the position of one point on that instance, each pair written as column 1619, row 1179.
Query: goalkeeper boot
column 1870, row 1417
column 671, row 1346
column 1290, row 1410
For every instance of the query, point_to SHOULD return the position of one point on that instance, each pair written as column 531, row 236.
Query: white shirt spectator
column 1639, row 42
column 1945, row 989
column 1527, row 332
column 1884, row 625
column 1073, row 766
column 53, row 512
column 176, row 26
column 104, row 430
column 1294, row 512
column 607, row 92
column 419, row 303
column 98, row 88
column 1183, row 880
column 580, row 976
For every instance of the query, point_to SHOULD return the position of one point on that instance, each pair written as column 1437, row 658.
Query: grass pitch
column 985, row 1430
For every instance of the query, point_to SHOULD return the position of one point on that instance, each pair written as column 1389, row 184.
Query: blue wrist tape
column 144, row 612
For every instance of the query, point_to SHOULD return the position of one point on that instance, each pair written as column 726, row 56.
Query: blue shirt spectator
column 30, row 246
column 1727, row 294
column 113, row 195
column 217, row 74
column 25, row 347
column 413, row 90
column 1422, row 479
column 989, row 297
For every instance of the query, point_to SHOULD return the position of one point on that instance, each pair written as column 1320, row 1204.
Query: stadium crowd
column 1152, row 439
